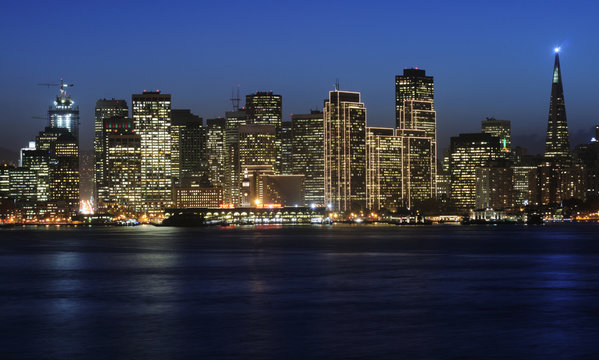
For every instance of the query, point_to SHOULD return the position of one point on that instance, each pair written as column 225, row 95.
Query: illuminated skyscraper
column 63, row 175
column 501, row 129
column 39, row 161
column 5, row 170
column 416, row 122
column 23, row 190
column 105, row 109
column 345, row 151
column 468, row 152
column 151, row 112
column 232, row 191
column 308, row 153
column 557, row 144
column 495, row 185
column 64, row 114
column 257, row 146
column 266, row 108
column 412, row 85
column 384, row 177
column 216, row 151
column 286, row 138
column 188, row 147
column 123, row 167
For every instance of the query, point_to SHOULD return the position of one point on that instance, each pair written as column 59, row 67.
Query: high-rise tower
column 266, row 108
column 105, row 109
column 414, row 84
column 345, row 151
column 557, row 143
column 416, row 122
column 151, row 113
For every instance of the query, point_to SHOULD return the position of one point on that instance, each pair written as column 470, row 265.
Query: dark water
column 436, row 292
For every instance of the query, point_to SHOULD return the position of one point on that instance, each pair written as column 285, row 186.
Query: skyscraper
column 39, row 161
column 557, row 144
column 495, row 185
column 468, row 152
column 216, row 151
column 105, row 109
column 500, row 129
column 414, row 84
column 345, row 151
column 257, row 146
column 416, row 122
column 308, row 153
column 122, row 174
column 151, row 113
column 64, row 114
column 266, row 108
column 234, row 119
column 286, row 138
column 188, row 147
column 384, row 176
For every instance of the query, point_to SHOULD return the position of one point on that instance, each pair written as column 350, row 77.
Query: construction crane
column 62, row 85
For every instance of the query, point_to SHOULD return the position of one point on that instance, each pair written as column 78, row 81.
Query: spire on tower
column 557, row 143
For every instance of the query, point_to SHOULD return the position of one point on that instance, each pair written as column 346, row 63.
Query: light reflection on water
column 301, row 292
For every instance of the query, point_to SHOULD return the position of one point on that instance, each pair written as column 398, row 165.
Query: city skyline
column 458, row 66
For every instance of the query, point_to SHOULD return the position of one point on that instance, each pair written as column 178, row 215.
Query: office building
column 501, row 129
column 494, row 185
column 198, row 197
column 122, row 195
column 557, row 182
column 308, row 154
column 525, row 185
column 216, row 153
column 383, row 175
column 188, row 155
column 151, row 113
column 416, row 122
column 266, row 108
column 468, row 152
column 284, row 190
column 557, row 143
column 345, row 151
column 5, row 169
column 414, row 84
column 39, row 161
column 286, row 166
column 233, row 119
column 257, row 145
column 105, row 109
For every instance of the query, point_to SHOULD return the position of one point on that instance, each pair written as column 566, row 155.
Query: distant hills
column 8, row 155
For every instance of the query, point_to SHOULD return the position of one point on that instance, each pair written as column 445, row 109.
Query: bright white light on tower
column 557, row 49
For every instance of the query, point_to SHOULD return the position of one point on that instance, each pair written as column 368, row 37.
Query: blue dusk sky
column 488, row 58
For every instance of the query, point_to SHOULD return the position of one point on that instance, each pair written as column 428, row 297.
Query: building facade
column 308, row 153
column 266, row 108
column 188, row 151
column 469, row 152
column 383, row 174
column 414, row 84
column 345, row 151
column 501, row 129
column 151, row 113
column 122, row 195
column 216, row 153
column 105, row 109
column 557, row 143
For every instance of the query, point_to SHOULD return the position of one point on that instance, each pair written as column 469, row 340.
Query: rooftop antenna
column 235, row 100
column 336, row 84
